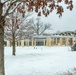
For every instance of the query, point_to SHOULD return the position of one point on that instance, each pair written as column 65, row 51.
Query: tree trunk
column 14, row 48
column 2, row 72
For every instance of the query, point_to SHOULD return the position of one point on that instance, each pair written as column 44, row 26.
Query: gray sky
column 66, row 23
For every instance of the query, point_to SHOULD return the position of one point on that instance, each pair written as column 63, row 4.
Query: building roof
column 52, row 36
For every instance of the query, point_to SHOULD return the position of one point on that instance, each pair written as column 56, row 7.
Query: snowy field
column 39, row 61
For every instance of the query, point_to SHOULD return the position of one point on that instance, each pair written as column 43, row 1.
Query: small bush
column 65, row 73
column 72, row 72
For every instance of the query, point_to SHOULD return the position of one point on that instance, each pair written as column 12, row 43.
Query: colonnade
column 44, row 42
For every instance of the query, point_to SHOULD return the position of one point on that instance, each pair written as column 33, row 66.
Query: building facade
column 53, row 40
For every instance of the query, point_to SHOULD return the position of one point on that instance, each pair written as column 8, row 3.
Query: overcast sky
column 66, row 23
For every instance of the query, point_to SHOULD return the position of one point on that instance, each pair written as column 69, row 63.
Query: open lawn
column 39, row 60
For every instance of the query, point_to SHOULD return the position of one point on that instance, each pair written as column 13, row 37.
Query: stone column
column 73, row 39
column 32, row 42
column 8, row 43
column 46, row 41
column 15, row 43
column 67, row 42
column 22, row 43
column 60, row 41
column 49, row 41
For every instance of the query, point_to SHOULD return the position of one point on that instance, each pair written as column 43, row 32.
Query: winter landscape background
column 44, row 60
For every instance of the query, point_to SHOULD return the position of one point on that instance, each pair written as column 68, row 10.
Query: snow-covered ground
column 39, row 61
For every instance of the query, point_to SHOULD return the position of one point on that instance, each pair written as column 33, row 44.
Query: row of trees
column 7, row 7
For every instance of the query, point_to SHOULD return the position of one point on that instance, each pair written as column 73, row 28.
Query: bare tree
column 46, row 6
column 14, row 28
column 39, row 27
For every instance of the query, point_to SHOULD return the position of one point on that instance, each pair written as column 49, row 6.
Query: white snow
column 39, row 61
